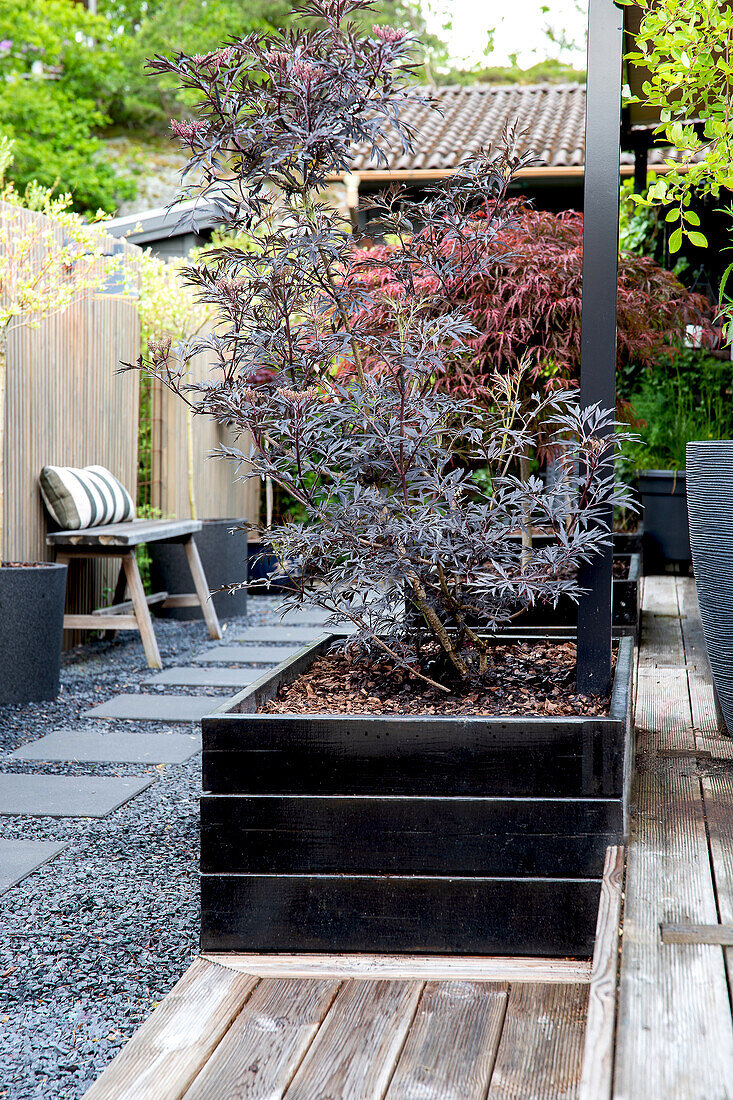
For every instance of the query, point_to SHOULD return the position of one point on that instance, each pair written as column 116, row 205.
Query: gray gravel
column 92, row 941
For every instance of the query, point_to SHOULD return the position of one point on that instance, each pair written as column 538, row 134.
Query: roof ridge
column 491, row 86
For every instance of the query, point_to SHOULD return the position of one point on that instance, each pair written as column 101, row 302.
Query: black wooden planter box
column 625, row 606
column 408, row 834
column 563, row 619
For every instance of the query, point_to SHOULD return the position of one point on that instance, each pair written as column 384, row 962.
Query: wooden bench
column 118, row 540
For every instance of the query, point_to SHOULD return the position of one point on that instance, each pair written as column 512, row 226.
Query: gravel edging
column 93, row 940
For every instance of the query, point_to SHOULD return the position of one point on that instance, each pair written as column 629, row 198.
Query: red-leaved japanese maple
column 526, row 306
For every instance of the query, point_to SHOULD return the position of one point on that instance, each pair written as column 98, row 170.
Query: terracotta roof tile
column 474, row 116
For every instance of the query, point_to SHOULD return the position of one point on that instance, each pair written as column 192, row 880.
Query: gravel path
column 93, row 940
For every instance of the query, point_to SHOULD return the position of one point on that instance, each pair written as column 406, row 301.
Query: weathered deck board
column 263, row 1048
column 718, row 795
column 663, row 722
column 409, row 967
column 451, row 1047
column 173, row 1044
column 355, row 1051
column 539, row 1056
column 597, row 1077
column 661, row 630
column 674, row 1032
column 708, row 735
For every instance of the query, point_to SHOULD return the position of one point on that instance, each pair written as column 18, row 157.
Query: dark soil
column 527, row 678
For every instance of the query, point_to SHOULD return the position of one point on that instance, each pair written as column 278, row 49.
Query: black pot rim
column 29, row 565
column 708, row 442
column 226, row 519
column 678, row 474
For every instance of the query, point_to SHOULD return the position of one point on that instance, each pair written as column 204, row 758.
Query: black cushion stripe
column 75, row 477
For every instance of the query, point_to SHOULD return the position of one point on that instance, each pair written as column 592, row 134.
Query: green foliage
column 169, row 27
column 643, row 229
column 685, row 397
column 58, row 67
column 687, row 46
column 55, row 145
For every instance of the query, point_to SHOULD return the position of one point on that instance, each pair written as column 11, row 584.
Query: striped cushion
column 84, row 498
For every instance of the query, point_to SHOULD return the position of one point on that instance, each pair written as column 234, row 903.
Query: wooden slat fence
column 66, row 405
column 218, row 493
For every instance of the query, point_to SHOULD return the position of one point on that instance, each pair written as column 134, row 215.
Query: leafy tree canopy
column 57, row 67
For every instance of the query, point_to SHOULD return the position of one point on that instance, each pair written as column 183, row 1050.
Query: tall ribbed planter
column 710, row 508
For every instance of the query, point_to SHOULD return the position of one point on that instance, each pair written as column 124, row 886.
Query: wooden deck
column 674, row 1032
column 224, row 1033
column 652, row 1022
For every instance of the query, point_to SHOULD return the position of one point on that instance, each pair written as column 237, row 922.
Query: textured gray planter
column 31, row 626
column 224, row 558
column 710, row 506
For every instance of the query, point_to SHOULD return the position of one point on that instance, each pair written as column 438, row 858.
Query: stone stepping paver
column 67, row 795
column 247, row 654
column 156, row 708
column 19, row 857
column 118, row 747
column 300, row 616
column 206, row 677
column 276, row 634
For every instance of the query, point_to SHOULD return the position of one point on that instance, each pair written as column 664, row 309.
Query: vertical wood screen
column 66, row 405
column 219, row 494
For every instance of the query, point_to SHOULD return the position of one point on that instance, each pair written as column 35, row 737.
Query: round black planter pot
column 32, row 601
column 224, row 558
column 710, row 503
column 666, row 531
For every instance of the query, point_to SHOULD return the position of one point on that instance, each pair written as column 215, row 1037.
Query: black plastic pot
column 32, row 601
column 666, row 531
column 224, row 558
column 426, row 834
column 264, row 564
column 629, row 542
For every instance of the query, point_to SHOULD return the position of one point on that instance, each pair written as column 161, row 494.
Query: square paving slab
column 248, row 654
column 19, row 857
column 67, row 795
column 90, row 747
column 302, row 615
column 158, row 708
column 206, row 677
column 276, row 635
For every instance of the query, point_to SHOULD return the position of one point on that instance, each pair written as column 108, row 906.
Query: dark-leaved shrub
column 340, row 408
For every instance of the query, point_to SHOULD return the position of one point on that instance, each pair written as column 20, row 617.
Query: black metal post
column 600, row 278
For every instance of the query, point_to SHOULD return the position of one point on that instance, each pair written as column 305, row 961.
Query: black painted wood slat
column 422, row 836
column 492, row 916
column 290, row 754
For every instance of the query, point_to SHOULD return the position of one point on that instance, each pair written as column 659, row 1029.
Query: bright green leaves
column 687, row 47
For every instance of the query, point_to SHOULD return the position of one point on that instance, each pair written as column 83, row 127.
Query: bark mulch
column 527, row 678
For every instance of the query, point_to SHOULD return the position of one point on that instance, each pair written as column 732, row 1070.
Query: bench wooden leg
column 142, row 611
column 202, row 588
column 117, row 597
